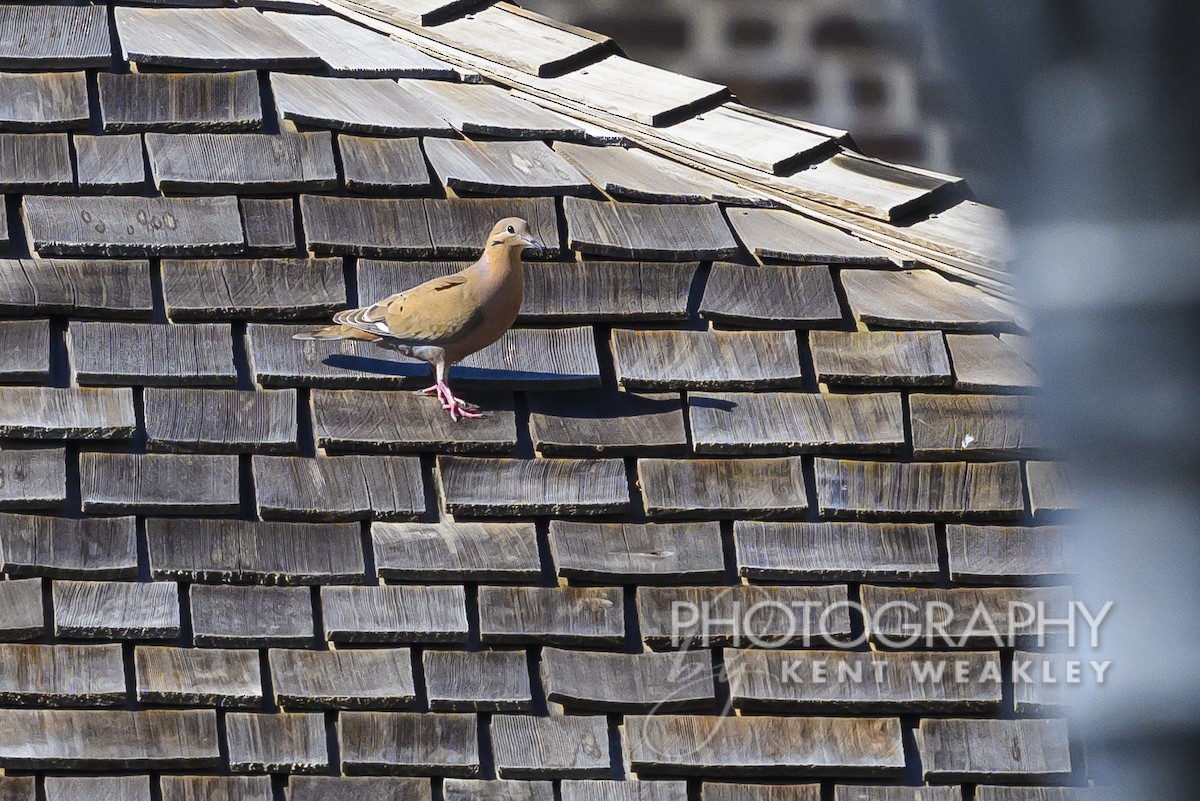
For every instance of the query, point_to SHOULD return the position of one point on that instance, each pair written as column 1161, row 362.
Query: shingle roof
column 754, row 368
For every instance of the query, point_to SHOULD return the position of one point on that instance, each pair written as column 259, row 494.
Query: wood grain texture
column 497, row 790
column 59, row 547
column 685, row 488
column 527, row 747
column 380, row 278
column 607, row 290
column 279, row 361
column 216, row 163
column 253, row 289
column 132, row 226
column 848, row 682
column 880, row 358
column 1051, row 488
column 197, row 676
column 354, row 226
column 1011, row 554
column 54, row 37
column 1033, row 694
column 441, row 744
column 26, row 348
column 406, row 422
column 965, row 617
column 480, row 681
column 92, row 287
column 456, row 551
column 767, row 746
column 975, row 427
column 986, row 792
column 770, row 296
column 674, row 232
column 758, row 141
column 835, row 551
column 984, row 363
column 362, row 105
column 459, row 226
column 920, row 299
column 101, row 739
column 61, row 675
column 621, row 683
column 678, row 617
column 37, row 161
column 354, row 788
column 378, row 166
column 339, row 488
column 21, row 615
column 669, row 553
column 924, row 490
column 220, row 420
column 870, row 187
column 487, row 110
column 196, row 38
column 490, row 487
column 158, row 483
column 123, row 610
column 276, row 743
column 32, row 479
column 343, row 679
column 351, row 50
column 1029, row 751
column 788, row 236
column 728, row 791
column 243, row 551
column 215, row 788
column 395, row 614
column 522, row 169
column 97, row 788
column 269, row 225
column 551, row 615
column 66, row 413
column 851, row 792
column 600, row 790
column 112, row 163
column 671, row 359
column 46, row 101
column 152, row 354
column 251, row 617
column 607, row 424
column 195, row 102
column 794, row 422
column 968, row 231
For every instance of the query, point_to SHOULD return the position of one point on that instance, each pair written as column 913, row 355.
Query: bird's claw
column 458, row 409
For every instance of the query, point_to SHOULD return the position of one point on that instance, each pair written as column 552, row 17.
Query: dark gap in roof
column 47, row 634
column 306, row 442
column 222, row 741
column 723, row 699
column 18, row 246
column 858, row 624
column 433, row 503
column 60, row 362
column 130, row 669
column 533, row 662
column 95, row 123
column 279, row 784
column 118, row 63
column 637, row 502
column 74, row 502
column 549, row 577
column 332, row 747
column 525, row 449
column 471, row 591
column 828, row 790
column 142, row 544
column 560, row 213
column 241, row 356
column 729, row 552
column 343, row 185
column 39, row 788
column 942, row 547
column 616, row 767
column 808, row 466
column 483, row 732
column 906, row 452
column 370, row 569
column 302, row 245
column 696, row 293
column 140, row 435
column 912, row 756
column 156, row 787
column 318, row 612
column 247, row 504
column 843, row 300
column 633, row 632
column 808, row 370
column 185, row 612
column 1027, row 515
column 420, row 695
column 267, row 98
column 158, row 302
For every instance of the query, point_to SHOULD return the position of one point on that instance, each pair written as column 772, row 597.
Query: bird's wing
column 436, row 312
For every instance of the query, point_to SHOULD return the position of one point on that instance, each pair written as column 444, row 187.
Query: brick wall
column 861, row 65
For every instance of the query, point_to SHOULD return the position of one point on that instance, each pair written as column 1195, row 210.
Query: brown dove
column 447, row 319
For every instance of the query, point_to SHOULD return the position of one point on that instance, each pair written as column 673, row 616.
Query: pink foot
column 457, row 408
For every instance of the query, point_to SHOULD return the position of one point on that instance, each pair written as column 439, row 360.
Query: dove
column 444, row 320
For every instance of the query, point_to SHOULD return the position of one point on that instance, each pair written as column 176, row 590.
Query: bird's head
column 513, row 232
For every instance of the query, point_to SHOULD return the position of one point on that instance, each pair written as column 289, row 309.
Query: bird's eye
column 512, row 230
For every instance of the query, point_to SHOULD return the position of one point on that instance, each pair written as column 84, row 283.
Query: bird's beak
column 533, row 243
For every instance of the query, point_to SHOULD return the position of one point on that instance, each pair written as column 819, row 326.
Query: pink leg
column 457, row 408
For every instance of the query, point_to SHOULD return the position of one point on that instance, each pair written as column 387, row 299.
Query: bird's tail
column 338, row 332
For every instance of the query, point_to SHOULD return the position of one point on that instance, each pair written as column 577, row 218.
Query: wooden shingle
column 1035, row 695
column 112, row 163
column 375, row 678
column 944, row 490
column 220, row 420
column 349, row 49
column 53, row 37
column 679, row 232
column 486, row 110
column 207, row 164
column 158, row 483
column 880, row 358
column 788, row 236
column 678, row 617
column 920, row 299
column 33, row 479
column 600, row 790
column 865, row 792
column 608, row 682
column 497, row 790
column 771, row 296
column 882, row 682
column 35, row 161
column 60, row 547
column 217, row 788
column 558, row 747
column 251, row 617
column 480, row 681
column 767, row 746
column 668, row 553
column 270, row 226
column 92, row 287
column 276, row 743
column 98, row 788
column 21, row 614
column 1051, row 489
column 754, row 139
column 126, row 610
column 974, row 427
column 412, row 743
column 277, row 360
column 459, row 226
column 102, row 739
column 984, row 363
column 198, row 38
column 871, row 187
column 132, row 226
column 362, row 105
column 152, row 354
column 355, row 788
column 522, row 169
column 986, row 792
column 254, row 551
column 43, row 101
column 1010, row 554
column 679, row 488
column 66, row 413
column 607, row 290
column 197, row 676
column 339, row 488
column 195, row 102
column 402, row 421
column 456, row 551
column 795, row 422
column 1029, row 751
column 728, row 791
column 672, row 359
column 551, row 615
column 366, row 227
column 61, row 675
column 607, row 423
column 835, row 551
column 26, row 348
column 383, row 166
column 395, row 614
column 490, row 487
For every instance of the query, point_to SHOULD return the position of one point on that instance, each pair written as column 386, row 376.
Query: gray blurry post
column 1088, row 126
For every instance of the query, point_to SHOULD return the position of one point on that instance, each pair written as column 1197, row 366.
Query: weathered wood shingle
column 59, row 547
column 1051, row 488
column 788, row 236
column 158, row 483
column 521, row 169
column 668, row 553
column 127, row 610
column 33, row 479
column 490, row 487
column 487, row 110
column 194, row 102
column 54, row 37
column 26, row 348
column 551, row 615
column 880, row 358
column 459, row 226
column 456, row 551
column 61, row 675
column 355, row 788
column 35, row 162
column 920, row 299
column 269, row 225
column 252, row 617
column 974, row 426
column 641, row 175
column 984, row 363
column 21, row 613
column 607, row 290
column 611, row 682
column 195, row 38
column 672, row 359
column 98, row 788
column 648, row 231
column 349, row 49
column 96, row 740
column 836, row 551
column 1030, row 751
column 429, row 744
column 111, row 163
column 196, row 164
column 919, row 490
column 151, row 354
column 366, row 226
column 771, row 296
column 66, row 413
column 46, row 101
column 282, row 742
column 562, row 746
column 400, row 422
column 394, row 614
column 197, row 676
column 220, row 420
column 1011, row 554
column 339, row 488
column 226, row 788
column 376, row 165
column 871, row 187
column 376, row 678
column 362, row 105
column 481, row 681
column 91, row 287
column 600, row 790
column 689, row 488
column 607, row 423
